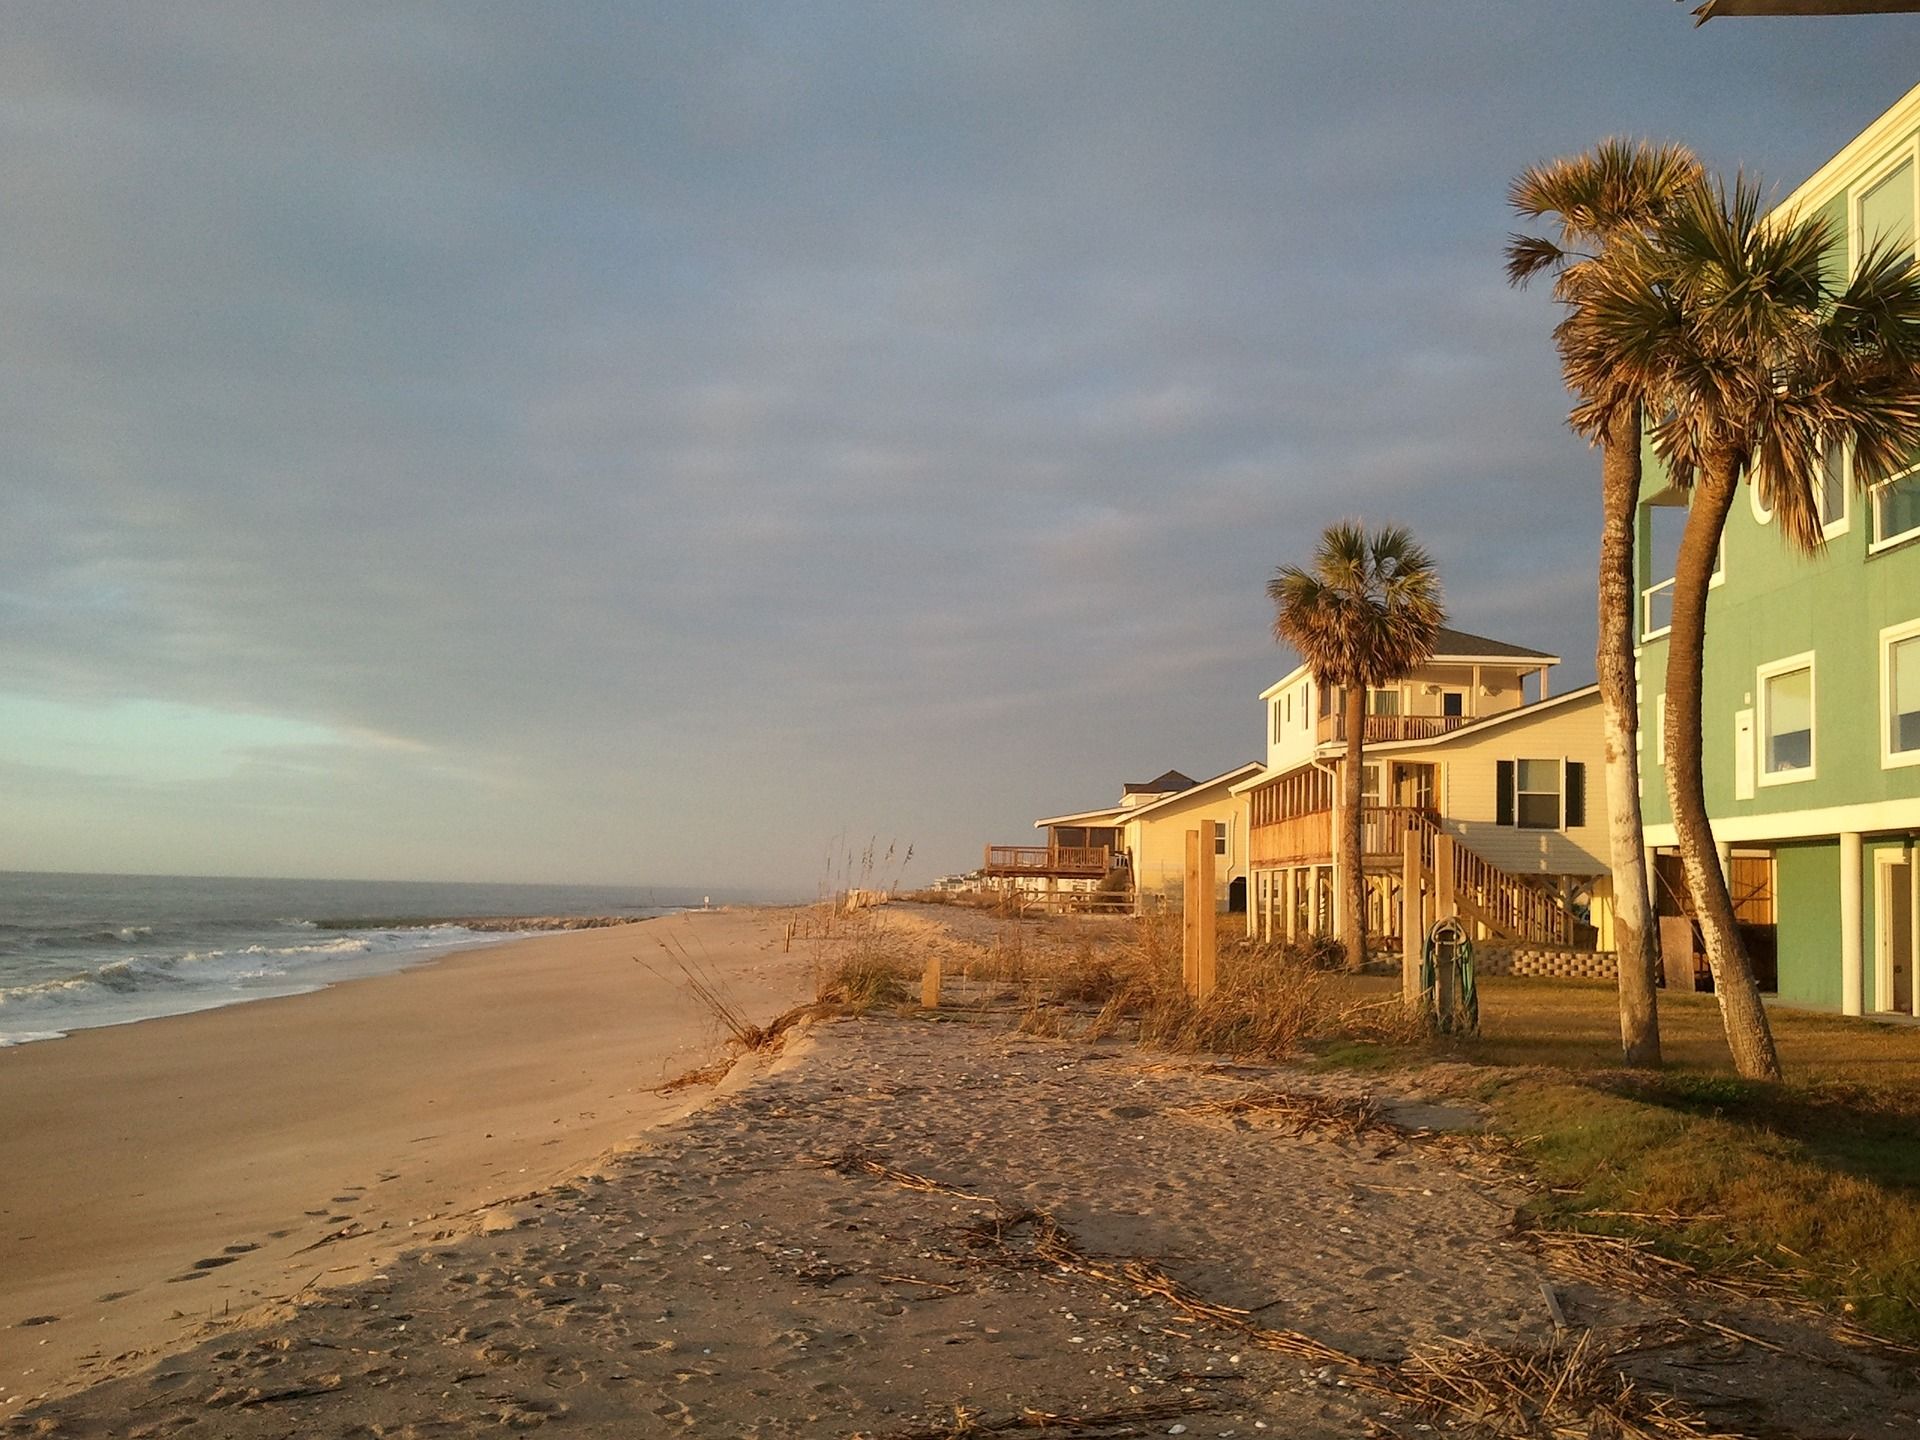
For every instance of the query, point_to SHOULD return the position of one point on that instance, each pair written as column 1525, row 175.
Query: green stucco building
column 1812, row 698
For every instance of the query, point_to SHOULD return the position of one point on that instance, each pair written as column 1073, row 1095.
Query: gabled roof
column 1459, row 645
column 1226, row 778
column 1166, row 784
column 1450, row 647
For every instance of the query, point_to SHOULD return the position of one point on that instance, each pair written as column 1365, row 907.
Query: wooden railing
column 1381, row 728
column 1513, row 905
column 1510, row 904
column 1300, row 839
column 1067, row 861
column 1294, row 840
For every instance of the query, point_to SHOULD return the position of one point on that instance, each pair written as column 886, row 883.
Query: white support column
column 1852, row 948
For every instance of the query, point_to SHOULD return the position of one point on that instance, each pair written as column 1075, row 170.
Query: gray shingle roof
column 1168, row 784
column 1459, row 642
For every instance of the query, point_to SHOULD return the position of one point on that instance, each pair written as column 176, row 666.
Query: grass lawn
column 1818, row 1176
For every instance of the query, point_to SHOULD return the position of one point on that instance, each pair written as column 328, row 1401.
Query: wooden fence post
column 1444, row 908
column 1412, row 930
column 1190, row 914
column 1206, row 955
column 930, row 983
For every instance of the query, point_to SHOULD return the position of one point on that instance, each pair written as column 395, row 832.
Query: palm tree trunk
column 1741, row 1012
column 1635, row 952
column 1353, row 880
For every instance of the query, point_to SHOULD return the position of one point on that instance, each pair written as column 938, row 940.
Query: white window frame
column 1223, row 840
column 1763, row 718
column 1763, row 514
column 1829, row 529
column 1857, row 192
column 1714, row 581
column 1891, row 636
column 1560, row 796
column 1876, row 542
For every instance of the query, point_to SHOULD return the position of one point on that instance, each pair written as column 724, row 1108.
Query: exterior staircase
column 1512, row 906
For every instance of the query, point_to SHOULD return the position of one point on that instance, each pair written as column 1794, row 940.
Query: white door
column 1743, row 755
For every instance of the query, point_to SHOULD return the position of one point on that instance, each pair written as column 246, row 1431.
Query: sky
column 673, row 444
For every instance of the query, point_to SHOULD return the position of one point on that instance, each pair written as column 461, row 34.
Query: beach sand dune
column 845, row 1243
column 162, row 1178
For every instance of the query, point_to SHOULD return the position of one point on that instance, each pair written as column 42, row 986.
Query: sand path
column 720, row 1281
column 159, row 1178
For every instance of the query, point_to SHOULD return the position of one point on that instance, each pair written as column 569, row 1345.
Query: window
column 1900, row 694
column 1221, row 831
column 1786, row 720
column 1540, row 794
column 1896, row 508
column 1883, row 212
column 1537, row 794
column 1453, row 704
column 1370, row 784
column 1276, row 721
column 1383, row 702
column 1833, row 490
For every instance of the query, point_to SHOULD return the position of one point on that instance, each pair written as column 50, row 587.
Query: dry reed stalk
column 1562, row 1391
column 1622, row 1262
column 709, row 1074
column 1352, row 1118
column 967, row 1421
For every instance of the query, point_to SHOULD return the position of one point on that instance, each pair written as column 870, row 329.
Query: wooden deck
column 1060, row 862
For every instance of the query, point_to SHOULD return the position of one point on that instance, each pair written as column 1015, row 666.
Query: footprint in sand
column 111, row 1296
column 214, row 1262
column 245, row 1249
column 38, row 1320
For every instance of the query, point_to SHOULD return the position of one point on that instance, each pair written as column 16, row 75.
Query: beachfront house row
column 1811, row 714
column 1084, row 851
column 1472, row 745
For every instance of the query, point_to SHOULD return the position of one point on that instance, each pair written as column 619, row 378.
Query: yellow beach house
column 1472, row 746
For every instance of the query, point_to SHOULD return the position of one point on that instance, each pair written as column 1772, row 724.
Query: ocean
column 78, row 951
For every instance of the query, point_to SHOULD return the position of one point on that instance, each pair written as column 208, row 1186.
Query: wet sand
column 167, row 1176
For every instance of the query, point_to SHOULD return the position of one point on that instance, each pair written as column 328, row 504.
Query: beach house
column 1153, row 837
column 1811, row 713
column 1084, row 851
column 1473, row 746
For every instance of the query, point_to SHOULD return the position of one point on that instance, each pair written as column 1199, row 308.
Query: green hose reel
column 1448, row 956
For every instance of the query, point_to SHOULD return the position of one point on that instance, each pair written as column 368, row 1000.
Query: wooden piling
column 1206, row 955
column 1190, row 915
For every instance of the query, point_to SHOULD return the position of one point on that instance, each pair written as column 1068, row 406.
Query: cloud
column 653, row 439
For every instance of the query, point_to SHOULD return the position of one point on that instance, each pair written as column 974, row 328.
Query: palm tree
column 1365, row 613
column 1618, row 189
column 1752, row 356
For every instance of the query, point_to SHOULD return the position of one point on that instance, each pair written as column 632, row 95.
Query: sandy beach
column 162, row 1178
column 904, row 1227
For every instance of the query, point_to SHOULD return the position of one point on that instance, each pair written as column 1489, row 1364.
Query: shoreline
column 161, row 1179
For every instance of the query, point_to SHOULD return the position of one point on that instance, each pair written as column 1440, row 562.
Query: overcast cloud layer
column 640, row 443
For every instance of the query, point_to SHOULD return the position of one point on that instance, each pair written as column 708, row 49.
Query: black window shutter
column 1576, row 794
column 1503, row 794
